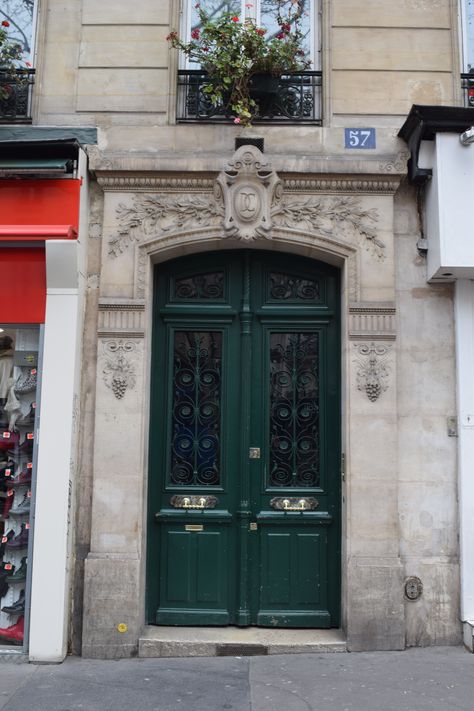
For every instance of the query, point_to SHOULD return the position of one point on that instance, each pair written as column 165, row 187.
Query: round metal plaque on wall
column 413, row 588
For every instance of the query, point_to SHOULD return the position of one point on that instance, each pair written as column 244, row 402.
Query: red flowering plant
column 232, row 52
column 10, row 63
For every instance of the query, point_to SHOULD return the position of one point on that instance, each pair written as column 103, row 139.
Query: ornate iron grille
column 195, row 436
column 16, row 107
column 296, row 99
column 294, row 410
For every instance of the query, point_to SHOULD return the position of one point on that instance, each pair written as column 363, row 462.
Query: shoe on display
column 26, row 383
column 23, row 507
column 21, row 479
column 17, row 607
column 20, row 573
column 9, row 440
column 14, row 633
column 29, row 418
column 26, row 447
column 5, row 540
column 6, row 571
column 8, row 503
column 20, row 541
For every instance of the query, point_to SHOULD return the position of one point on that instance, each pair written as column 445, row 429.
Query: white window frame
column 31, row 57
column 254, row 13
column 464, row 35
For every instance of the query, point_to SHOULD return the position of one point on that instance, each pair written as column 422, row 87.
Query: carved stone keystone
column 249, row 189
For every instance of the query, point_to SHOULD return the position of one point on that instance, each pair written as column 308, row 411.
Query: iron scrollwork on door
column 196, row 414
column 294, row 410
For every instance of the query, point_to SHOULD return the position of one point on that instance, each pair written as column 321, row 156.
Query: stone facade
column 156, row 197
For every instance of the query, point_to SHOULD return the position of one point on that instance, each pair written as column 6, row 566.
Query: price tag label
column 29, row 465
column 362, row 138
column 27, row 525
column 28, row 495
column 4, row 539
column 30, row 435
column 33, row 371
column 8, row 566
column 10, row 492
column 8, row 472
column 6, row 435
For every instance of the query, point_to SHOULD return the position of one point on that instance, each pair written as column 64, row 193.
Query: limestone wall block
column 373, row 446
column 376, row 618
column 110, row 600
column 366, row 92
column 397, row 49
column 122, row 89
column 428, row 521
column 117, row 12
column 434, row 617
column 403, row 13
column 136, row 46
column 426, row 453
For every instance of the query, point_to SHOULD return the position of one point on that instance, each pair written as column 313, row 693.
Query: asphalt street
column 437, row 678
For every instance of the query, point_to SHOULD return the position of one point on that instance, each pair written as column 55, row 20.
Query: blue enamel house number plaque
column 359, row 138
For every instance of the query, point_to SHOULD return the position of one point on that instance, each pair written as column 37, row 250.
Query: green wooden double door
column 244, row 480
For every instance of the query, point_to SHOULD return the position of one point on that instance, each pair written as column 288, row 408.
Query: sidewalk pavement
column 430, row 679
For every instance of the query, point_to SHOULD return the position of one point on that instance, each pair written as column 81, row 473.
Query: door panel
column 244, row 442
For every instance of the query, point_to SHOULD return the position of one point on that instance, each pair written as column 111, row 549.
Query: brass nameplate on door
column 193, row 502
column 194, row 527
column 254, row 453
column 294, row 503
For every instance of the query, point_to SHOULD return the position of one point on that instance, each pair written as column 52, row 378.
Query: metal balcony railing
column 467, row 85
column 296, row 99
column 15, row 98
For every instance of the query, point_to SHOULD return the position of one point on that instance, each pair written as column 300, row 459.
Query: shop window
column 19, row 377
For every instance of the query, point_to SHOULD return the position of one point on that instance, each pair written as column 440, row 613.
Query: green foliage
column 232, row 52
column 10, row 63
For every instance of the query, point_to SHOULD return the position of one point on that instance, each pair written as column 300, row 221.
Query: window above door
column 294, row 97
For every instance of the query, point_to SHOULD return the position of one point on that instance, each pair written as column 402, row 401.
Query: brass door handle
column 191, row 501
column 294, row 503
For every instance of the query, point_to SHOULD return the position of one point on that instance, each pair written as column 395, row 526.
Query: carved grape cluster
column 119, row 385
column 373, row 389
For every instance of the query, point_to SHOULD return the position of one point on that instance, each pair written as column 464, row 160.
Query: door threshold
column 161, row 641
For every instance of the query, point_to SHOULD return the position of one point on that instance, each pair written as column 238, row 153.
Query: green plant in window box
column 12, row 67
column 233, row 52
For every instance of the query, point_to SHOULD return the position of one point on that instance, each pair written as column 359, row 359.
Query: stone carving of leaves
column 154, row 213
column 321, row 216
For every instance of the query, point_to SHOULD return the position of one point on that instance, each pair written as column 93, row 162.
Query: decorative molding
column 153, row 183
column 374, row 320
column 373, row 372
column 150, row 214
column 251, row 193
column 324, row 217
column 118, row 371
column 121, row 319
column 398, row 164
column 368, row 184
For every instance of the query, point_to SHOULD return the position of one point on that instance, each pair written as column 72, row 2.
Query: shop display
column 18, row 384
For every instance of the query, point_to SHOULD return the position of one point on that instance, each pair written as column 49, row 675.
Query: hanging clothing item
column 6, row 371
column 12, row 407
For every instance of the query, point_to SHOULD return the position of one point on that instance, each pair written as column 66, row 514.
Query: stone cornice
column 198, row 183
column 374, row 320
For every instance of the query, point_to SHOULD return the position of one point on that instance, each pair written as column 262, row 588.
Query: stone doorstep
column 236, row 642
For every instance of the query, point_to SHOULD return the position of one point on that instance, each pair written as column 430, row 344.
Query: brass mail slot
column 194, row 527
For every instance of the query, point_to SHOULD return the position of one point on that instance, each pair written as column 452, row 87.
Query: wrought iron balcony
column 295, row 99
column 15, row 106
column 467, row 84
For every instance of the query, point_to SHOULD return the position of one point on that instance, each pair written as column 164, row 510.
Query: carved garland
column 248, row 201
column 373, row 370
column 119, row 372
